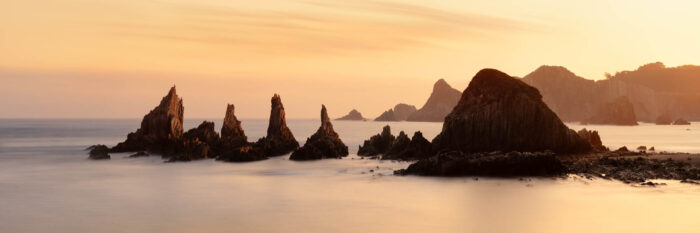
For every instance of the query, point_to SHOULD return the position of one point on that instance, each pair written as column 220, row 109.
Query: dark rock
column 622, row 149
column 353, row 115
column 325, row 143
column 634, row 170
column 279, row 139
column 593, row 138
column 377, row 144
column 642, row 148
column 246, row 153
column 441, row 101
column 617, row 112
column 191, row 149
column 399, row 145
column 498, row 112
column 457, row 163
column 663, row 119
column 417, row 148
column 204, row 133
column 400, row 112
column 160, row 129
column 99, row 152
column 681, row 121
column 232, row 135
column 139, row 154
column 652, row 149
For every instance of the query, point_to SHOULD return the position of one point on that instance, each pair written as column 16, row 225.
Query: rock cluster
column 400, row 112
column 279, row 139
column 457, row 163
column 617, row 112
column 415, row 148
column 325, row 143
column 439, row 104
column 353, row 115
column 593, row 138
column 631, row 170
column 160, row 129
column 377, row 144
column 500, row 113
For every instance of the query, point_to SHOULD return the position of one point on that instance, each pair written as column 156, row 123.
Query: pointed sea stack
column 160, row 128
column 619, row 111
column 593, row 138
column 325, row 143
column 279, row 139
column 353, row 115
column 500, row 113
column 441, row 101
column 232, row 134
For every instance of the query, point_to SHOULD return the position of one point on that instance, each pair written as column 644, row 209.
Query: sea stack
column 232, row 134
column 160, row 128
column 619, row 111
column 500, row 113
column 325, row 143
column 400, row 112
column 353, row 115
column 279, row 139
column 441, row 101
column 377, row 144
column 414, row 148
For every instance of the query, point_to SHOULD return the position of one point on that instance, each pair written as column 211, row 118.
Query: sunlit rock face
column 501, row 113
column 279, row 139
column 325, row 143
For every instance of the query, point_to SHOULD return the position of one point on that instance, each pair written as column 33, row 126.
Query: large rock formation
column 400, row 112
column 415, row 148
column 441, row 101
column 325, row 143
column 457, row 163
column 617, row 112
column 377, row 144
column 501, row 113
column 571, row 97
column 353, row 115
column 279, row 139
column 160, row 128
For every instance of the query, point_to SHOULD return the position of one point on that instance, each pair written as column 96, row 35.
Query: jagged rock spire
column 231, row 129
column 325, row 143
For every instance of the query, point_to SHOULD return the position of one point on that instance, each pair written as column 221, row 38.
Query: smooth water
column 48, row 185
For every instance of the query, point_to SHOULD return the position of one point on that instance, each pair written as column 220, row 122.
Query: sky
column 117, row 58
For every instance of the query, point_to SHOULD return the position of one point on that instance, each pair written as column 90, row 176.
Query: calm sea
column 48, row 185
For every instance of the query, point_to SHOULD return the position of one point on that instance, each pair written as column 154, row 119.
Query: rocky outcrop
column 99, row 152
column 617, row 112
column 571, row 97
column 410, row 149
column 160, row 128
column 353, row 115
column 400, row 112
column 441, row 101
column 681, row 121
column 279, row 139
column 500, row 113
column 664, row 119
column 245, row 153
column 457, row 163
column 232, row 134
column 377, row 144
column 325, row 143
column 593, row 138
column 204, row 133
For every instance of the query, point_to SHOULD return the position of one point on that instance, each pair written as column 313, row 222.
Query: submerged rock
column 325, row 143
column 441, row 101
column 593, row 138
column 417, row 148
column 377, row 144
column 500, row 113
column 617, row 112
column 681, row 121
column 160, row 128
column 457, row 163
column 99, row 152
column 279, row 139
column 353, row 115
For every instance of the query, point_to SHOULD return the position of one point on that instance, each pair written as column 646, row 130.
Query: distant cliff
column 440, row 103
column 574, row 98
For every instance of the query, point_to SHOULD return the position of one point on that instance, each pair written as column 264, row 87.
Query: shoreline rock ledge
column 279, row 139
column 160, row 129
column 325, row 143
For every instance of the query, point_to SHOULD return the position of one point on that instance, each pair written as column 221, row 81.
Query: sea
column 47, row 184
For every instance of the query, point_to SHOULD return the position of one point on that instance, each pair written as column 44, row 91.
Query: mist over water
column 48, row 185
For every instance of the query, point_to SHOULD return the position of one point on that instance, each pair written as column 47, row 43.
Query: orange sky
column 116, row 58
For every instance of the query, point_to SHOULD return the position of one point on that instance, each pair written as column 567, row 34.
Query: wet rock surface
column 353, row 115
column 377, row 144
column 501, row 113
column 325, row 143
column 98, row 152
column 160, row 128
column 497, row 164
column 619, row 111
column 279, row 139
column 441, row 101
